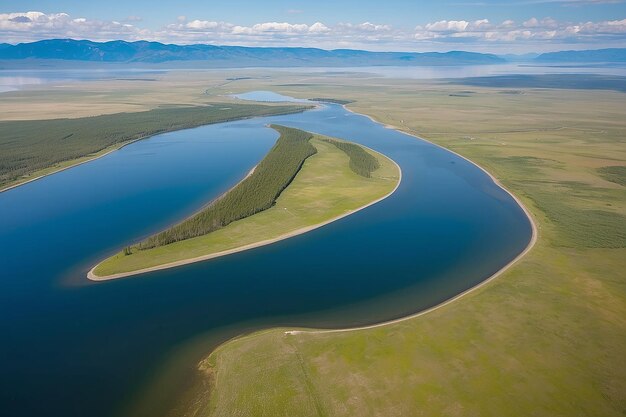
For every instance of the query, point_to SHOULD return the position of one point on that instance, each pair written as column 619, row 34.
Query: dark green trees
column 30, row 145
column 255, row 193
column 361, row 162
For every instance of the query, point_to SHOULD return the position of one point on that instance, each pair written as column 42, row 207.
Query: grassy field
column 325, row 188
column 547, row 338
column 32, row 148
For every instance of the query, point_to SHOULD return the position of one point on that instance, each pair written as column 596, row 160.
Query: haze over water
column 11, row 79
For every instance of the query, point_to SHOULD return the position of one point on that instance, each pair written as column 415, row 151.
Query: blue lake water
column 268, row 96
column 75, row 348
column 15, row 79
column 11, row 79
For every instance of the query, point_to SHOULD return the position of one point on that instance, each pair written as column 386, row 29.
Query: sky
column 506, row 26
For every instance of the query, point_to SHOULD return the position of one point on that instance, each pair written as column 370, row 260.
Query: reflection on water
column 11, row 80
column 268, row 96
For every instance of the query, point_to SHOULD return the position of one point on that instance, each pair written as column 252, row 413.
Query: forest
column 361, row 162
column 27, row 146
column 255, row 193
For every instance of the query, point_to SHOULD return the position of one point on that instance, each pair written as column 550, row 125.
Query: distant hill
column 233, row 56
column 596, row 55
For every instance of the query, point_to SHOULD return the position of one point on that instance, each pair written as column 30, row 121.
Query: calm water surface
column 11, row 80
column 75, row 348
column 268, row 96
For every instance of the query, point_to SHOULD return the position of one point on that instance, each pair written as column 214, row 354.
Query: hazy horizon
column 514, row 26
column 320, row 48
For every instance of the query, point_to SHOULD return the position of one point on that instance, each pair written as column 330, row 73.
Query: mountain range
column 596, row 55
column 241, row 56
column 155, row 52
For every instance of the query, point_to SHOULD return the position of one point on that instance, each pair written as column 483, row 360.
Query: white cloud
column 28, row 26
column 448, row 26
column 319, row 27
column 531, row 23
column 532, row 31
column 613, row 27
column 204, row 25
column 532, row 34
column 270, row 33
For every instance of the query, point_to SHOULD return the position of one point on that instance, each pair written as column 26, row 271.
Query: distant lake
column 268, row 96
column 74, row 348
column 11, row 80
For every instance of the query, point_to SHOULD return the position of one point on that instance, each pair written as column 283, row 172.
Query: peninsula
column 304, row 182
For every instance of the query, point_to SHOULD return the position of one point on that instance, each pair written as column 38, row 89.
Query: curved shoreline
column 117, row 148
column 91, row 275
column 122, row 145
column 531, row 244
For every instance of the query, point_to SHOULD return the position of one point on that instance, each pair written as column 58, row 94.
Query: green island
column 304, row 182
column 30, row 149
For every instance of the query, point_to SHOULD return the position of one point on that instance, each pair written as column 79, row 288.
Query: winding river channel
column 71, row 347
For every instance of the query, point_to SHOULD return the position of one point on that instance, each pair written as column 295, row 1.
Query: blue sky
column 480, row 25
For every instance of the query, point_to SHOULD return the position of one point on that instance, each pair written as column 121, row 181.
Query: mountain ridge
column 156, row 52
column 588, row 55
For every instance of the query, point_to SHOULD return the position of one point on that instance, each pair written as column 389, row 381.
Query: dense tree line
column 331, row 100
column 361, row 161
column 255, row 193
column 30, row 145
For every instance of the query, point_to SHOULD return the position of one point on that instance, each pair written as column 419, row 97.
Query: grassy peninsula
column 305, row 181
column 33, row 148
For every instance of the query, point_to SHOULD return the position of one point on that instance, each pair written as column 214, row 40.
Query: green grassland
column 32, row 148
column 546, row 338
column 325, row 188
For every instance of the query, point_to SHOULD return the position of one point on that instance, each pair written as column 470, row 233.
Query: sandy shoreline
column 530, row 245
column 92, row 276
